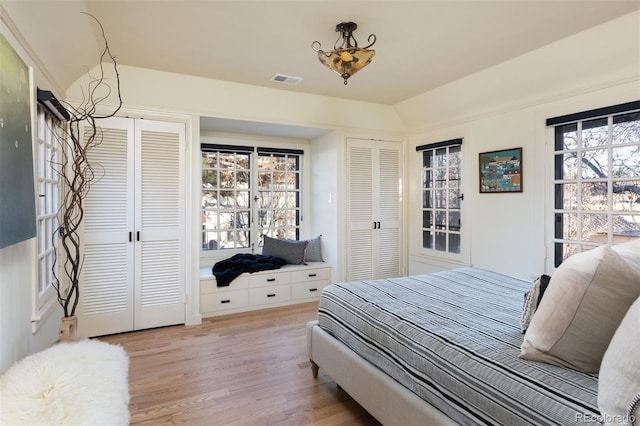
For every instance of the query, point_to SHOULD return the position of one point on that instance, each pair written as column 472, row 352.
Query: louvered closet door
column 374, row 209
column 388, row 200
column 360, row 186
column 160, row 206
column 106, row 284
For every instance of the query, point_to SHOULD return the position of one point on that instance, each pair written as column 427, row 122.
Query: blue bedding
column 229, row 269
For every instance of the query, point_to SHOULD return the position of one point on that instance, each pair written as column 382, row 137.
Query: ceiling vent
column 286, row 79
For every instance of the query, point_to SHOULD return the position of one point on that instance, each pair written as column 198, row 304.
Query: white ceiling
column 421, row 44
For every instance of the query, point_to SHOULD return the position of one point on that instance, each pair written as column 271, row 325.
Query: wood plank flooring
column 242, row 369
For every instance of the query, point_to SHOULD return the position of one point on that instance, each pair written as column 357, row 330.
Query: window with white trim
column 249, row 192
column 47, row 203
column 596, row 179
column 441, row 189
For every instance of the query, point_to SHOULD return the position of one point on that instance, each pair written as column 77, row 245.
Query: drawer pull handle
column 225, row 301
column 313, row 289
column 271, row 295
column 270, row 280
column 313, row 275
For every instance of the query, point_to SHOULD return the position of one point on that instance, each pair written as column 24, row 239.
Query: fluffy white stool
column 75, row 383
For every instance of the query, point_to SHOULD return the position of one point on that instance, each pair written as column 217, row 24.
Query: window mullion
column 610, row 180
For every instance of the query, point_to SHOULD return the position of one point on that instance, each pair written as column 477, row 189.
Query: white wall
column 505, row 107
column 325, row 197
column 17, row 271
column 163, row 91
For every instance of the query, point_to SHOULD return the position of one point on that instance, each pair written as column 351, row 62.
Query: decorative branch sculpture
column 76, row 174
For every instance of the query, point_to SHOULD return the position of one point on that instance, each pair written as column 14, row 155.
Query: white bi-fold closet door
column 374, row 178
column 133, row 233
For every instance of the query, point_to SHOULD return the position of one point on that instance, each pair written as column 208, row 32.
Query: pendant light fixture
column 346, row 58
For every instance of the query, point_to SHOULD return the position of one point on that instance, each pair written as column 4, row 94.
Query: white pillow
column 630, row 252
column 619, row 379
column 587, row 298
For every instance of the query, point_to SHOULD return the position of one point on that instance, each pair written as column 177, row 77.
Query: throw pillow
column 586, row 300
column 532, row 300
column 630, row 252
column 290, row 250
column 313, row 252
column 619, row 379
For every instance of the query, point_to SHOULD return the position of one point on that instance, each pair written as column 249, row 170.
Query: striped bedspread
column 453, row 338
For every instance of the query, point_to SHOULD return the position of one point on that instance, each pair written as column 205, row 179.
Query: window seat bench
column 278, row 287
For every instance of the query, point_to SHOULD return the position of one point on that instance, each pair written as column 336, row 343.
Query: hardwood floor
column 242, row 369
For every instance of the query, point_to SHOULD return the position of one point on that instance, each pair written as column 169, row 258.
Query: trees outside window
column 442, row 196
column 248, row 193
column 596, row 182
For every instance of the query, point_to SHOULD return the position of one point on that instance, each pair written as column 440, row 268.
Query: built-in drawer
column 308, row 289
column 209, row 285
column 269, row 279
column 224, row 300
column 310, row 274
column 268, row 295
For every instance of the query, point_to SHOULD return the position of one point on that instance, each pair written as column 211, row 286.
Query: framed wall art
column 17, row 208
column 501, row 171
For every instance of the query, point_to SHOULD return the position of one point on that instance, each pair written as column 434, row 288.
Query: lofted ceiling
column 420, row 44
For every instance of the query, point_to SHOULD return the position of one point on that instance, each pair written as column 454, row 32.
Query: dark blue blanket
column 227, row 270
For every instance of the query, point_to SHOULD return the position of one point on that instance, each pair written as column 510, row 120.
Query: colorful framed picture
column 501, row 171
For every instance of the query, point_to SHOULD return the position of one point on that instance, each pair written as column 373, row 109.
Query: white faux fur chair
column 77, row 383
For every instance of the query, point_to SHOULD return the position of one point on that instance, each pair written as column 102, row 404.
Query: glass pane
column 209, row 178
column 455, row 154
column 427, row 239
column 426, row 199
column 625, row 227
column 264, row 180
column 210, row 240
column 242, row 179
column 569, row 169
column 440, row 219
column 279, row 163
column 441, row 157
column 242, row 199
column 454, row 199
column 265, row 163
column 441, row 241
column 625, row 161
column 209, row 160
column 595, row 164
column 242, row 161
column 440, row 174
column 427, row 158
column 440, row 198
column 625, row 196
column 569, row 139
column 569, row 250
column 454, row 176
column 595, row 133
column 454, row 243
column 227, row 179
column 626, row 128
column 570, row 226
column 291, row 234
column 279, row 180
column 566, row 196
column 594, row 196
column 427, row 219
column 595, row 228
column 454, row 221
column 426, row 178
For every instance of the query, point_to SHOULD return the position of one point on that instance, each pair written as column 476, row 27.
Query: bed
column 442, row 348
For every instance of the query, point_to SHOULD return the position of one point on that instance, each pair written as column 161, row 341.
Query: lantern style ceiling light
column 347, row 58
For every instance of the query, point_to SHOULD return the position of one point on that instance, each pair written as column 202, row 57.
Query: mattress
column 453, row 338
